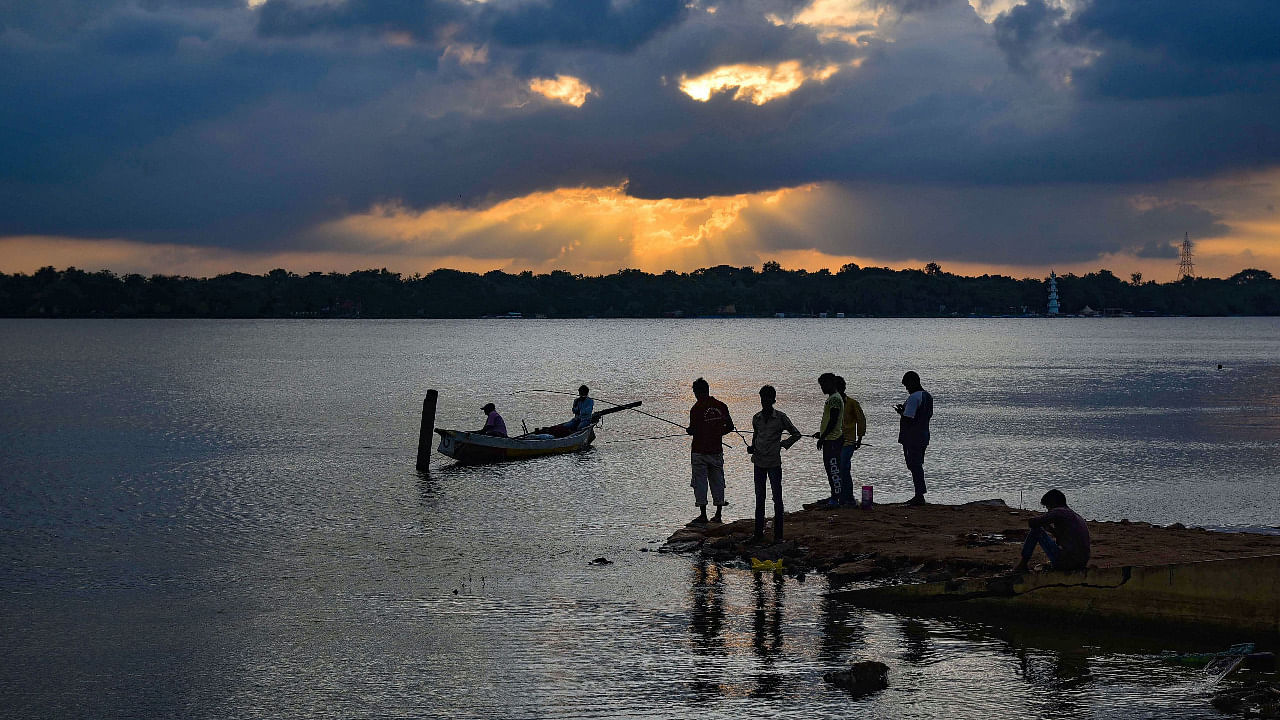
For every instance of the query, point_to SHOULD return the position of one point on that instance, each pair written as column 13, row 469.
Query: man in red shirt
column 708, row 422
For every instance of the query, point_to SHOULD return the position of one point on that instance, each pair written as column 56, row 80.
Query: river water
column 221, row 519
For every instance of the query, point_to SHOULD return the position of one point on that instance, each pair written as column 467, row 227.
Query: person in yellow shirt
column 854, row 427
column 830, row 437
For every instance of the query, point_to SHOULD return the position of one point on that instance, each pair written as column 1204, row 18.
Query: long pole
column 428, row 427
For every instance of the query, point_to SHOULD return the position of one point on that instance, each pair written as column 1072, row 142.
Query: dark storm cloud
column 1158, row 249
column 1225, row 31
column 596, row 24
column 591, row 24
column 422, row 19
column 54, row 19
column 214, row 123
column 1154, row 48
column 1024, row 28
column 1018, row 225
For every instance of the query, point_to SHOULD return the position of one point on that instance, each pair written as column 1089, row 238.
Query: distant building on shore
column 1053, row 293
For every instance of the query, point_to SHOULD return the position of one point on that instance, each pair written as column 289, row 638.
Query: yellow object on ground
column 766, row 565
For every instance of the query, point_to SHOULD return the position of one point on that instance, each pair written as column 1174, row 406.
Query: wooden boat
column 472, row 448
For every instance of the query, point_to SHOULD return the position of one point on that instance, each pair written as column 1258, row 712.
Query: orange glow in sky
column 595, row 230
column 562, row 88
column 756, row 84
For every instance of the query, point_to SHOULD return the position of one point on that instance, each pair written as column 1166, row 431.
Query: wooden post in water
column 428, row 428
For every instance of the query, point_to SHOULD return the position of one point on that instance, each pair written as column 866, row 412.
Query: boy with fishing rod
column 766, row 455
column 709, row 421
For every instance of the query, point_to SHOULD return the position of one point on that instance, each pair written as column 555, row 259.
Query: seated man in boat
column 1062, row 533
column 493, row 424
column 583, row 406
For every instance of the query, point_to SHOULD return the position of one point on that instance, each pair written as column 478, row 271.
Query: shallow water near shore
column 221, row 518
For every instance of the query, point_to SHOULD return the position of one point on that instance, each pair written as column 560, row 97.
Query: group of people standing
column 843, row 426
column 1063, row 534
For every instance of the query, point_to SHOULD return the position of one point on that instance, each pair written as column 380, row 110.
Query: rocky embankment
column 899, row 543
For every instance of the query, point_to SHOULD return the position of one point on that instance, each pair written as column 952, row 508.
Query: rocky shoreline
column 896, row 543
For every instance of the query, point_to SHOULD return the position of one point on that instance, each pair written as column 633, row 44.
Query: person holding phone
column 913, row 430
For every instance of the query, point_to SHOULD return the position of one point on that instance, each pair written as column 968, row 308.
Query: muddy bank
column 900, row 543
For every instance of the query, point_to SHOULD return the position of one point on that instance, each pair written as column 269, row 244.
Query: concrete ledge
column 1239, row 593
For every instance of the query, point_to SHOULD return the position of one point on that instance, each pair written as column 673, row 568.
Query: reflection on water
column 770, row 596
column 706, row 616
column 841, row 629
column 222, row 520
column 915, row 642
column 767, row 638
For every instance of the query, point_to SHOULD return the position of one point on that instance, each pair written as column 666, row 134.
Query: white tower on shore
column 1053, row 293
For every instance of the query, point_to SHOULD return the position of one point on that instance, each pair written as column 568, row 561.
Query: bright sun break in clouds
column 562, row 88
column 756, row 84
column 586, row 229
column 844, row 14
column 850, row 20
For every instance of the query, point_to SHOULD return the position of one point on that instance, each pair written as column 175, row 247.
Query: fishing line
column 656, row 437
column 610, row 402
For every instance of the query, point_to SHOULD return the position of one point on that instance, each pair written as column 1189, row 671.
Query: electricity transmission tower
column 1186, row 268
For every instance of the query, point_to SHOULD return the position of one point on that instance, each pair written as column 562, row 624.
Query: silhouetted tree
column 632, row 293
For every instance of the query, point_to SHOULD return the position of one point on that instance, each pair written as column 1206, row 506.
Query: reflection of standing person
column 706, row 617
column 766, row 454
column 913, row 430
column 855, row 426
column 767, row 640
column 830, row 437
column 708, row 422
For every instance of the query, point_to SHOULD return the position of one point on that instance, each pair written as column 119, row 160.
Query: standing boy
column 708, row 422
column 913, row 430
column 830, row 437
column 854, row 427
column 766, row 454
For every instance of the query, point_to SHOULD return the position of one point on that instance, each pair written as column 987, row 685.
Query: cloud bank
column 998, row 133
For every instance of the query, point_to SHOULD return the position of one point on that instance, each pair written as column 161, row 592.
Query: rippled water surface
column 216, row 519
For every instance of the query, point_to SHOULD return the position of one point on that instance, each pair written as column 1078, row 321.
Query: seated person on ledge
column 1062, row 533
column 493, row 423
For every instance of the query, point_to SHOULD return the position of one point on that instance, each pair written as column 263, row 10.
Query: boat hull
column 473, row 448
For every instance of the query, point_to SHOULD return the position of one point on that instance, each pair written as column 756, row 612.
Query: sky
column 1008, row 136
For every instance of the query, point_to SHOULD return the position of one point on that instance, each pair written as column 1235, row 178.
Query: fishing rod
column 610, row 402
column 808, row 435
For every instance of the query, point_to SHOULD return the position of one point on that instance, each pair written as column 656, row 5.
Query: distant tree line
column 720, row 290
